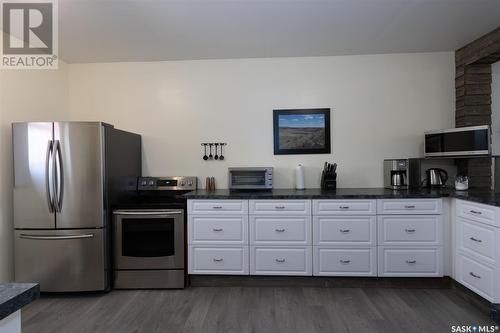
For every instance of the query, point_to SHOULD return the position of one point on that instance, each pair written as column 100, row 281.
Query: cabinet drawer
column 477, row 212
column 218, row 229
column 410, row 261
column 345, row 230
column 344, row 207
column 476, row 276
column 410, row 230
column 280, row 260
column 478, row 240
column 280, row 230
column 345, row 262
column 218, row 207
column 280, row 207
column 409, row 206
column 218, row 260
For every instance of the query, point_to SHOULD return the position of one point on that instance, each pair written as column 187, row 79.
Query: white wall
column 381, row 105
column 24, row 96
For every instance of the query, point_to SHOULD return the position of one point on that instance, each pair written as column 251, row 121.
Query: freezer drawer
column 61, row 260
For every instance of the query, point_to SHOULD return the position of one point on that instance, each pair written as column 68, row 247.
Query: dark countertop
column 13, row 296
column 481, row 196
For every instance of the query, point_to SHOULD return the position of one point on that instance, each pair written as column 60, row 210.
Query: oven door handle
column 176, row 212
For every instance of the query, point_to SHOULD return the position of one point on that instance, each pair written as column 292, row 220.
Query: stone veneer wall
column 473, row 98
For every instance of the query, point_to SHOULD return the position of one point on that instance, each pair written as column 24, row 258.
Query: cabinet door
column 280, row 260
column 409, row 206
column 218, row 207
column 479, row 240
column 280, row 207
column 209, row 229
column 397, row 261
column 280, row 230
column 478, row 212
column 476, row 276
column 329, row 261
column 218, row 260
column 344, row 207
column 410, row 230
column 345, row 230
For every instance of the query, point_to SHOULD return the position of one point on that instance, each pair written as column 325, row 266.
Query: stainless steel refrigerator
column 67, row 177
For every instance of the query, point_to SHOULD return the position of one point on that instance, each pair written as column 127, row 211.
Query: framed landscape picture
column 301, row 131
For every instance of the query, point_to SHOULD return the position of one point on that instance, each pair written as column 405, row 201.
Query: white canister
column 299, row 177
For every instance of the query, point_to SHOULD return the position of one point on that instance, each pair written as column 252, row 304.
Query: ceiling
column 152, row 30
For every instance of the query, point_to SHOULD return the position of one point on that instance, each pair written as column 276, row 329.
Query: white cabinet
column 218, row 207
column 328, row 261
column 410, row 230
column 410, row 237
column 477, row 248
column 409, row 206
column 218, row 237
column 280, row 207
column 210, row 229
column 269, row 260
column 344, row 237
column 478, row 212
column 345, row 230
column 280, row 230
column 344, row 207
column 481, row 278
column 218, row 260
column 280, row 237
column 410, row 261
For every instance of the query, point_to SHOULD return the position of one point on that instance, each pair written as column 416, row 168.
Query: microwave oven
column 251, row 178
column 455, row 142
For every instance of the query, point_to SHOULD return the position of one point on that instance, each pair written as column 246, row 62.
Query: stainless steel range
column 149, row 233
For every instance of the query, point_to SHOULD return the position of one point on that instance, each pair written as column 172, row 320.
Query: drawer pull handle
column 474, row 275
column 217, row 207
column 411, row 262
column 217, row 229
column 280, row 230
column 279, row 207
column 410, row 231
column 475, row 212
column 410, row 206
column 345, row 262
column 218, row 259
column 345, row 231
column 476, row 240
column 344, row 207
column 280, row 260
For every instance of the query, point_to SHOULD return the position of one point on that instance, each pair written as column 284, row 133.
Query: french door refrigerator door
column 79, row 185
column 33, row 172
column 61, row 260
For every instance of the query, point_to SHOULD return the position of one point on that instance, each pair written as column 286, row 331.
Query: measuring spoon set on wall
column 218, row 156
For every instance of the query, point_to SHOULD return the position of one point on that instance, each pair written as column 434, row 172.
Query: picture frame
column 301, row 131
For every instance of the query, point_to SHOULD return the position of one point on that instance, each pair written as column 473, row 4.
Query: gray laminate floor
column 254, row 309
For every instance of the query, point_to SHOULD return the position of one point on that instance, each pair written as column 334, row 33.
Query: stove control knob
column 182, row 183
column 190, row 183
column 151, row 183
column 144, row 183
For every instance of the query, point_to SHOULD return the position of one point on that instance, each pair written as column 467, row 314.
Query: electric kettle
column 436, row 177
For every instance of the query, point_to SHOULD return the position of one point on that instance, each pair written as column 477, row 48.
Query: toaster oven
column 251, row 178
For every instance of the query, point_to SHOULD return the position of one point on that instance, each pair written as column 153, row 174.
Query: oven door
column 149, row 239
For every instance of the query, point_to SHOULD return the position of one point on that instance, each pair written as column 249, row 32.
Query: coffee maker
column 401, row 174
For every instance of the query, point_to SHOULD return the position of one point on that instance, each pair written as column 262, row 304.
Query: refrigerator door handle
column 48, row 237
column 58, row 176
column 48, row 192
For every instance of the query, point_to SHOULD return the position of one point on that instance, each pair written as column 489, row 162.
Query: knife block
column 328, row 181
